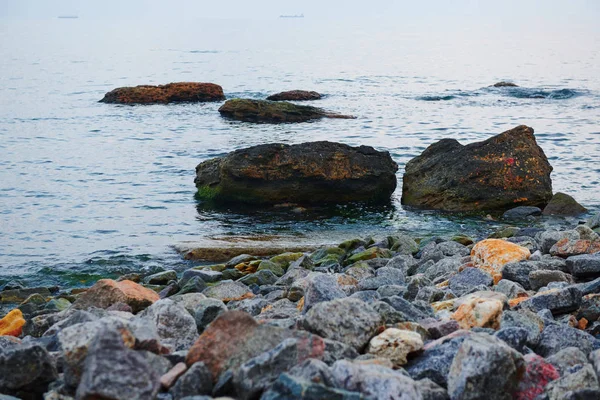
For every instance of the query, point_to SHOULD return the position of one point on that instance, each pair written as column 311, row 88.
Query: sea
column 91, row 190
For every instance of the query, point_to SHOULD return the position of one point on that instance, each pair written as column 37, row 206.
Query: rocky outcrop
column 505, row 171
column 273, row 112
column 295, row 95
column 180, row 92
column 316, row 172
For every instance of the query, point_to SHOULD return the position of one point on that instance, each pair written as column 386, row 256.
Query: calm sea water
column 90, row 189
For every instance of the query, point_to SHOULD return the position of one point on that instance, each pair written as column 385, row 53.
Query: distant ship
column 292, row 16
column 68, row 16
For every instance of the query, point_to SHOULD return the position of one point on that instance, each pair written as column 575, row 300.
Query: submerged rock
column 315, row 172
column 170, row 93
column 504, row 171
column 295, row 95
column 273, row 112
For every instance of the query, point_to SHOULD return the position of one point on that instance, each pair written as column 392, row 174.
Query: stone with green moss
column 327, row 255
column 250, row 110
column 216, row 267
column 267, row 265
column 404, row 244
column 260, row 278
column 284, row 260
column 57, row 304
column 32, row 304
column 462, row 239
column 232, row 274
column 359, row 270
column 351, row 244
column 506, row 232
column 369, row 254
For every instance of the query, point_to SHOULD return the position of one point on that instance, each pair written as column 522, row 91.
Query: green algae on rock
column 249, row 110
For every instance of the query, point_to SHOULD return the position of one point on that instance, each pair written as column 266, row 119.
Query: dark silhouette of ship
column 292, row 16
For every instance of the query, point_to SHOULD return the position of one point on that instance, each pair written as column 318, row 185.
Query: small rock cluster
column 514, row 316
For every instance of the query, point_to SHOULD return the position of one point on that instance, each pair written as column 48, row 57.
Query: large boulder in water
column 315, row 172
column 503, row 172
column 180, row 92
column 273, row 111
column 295, row 95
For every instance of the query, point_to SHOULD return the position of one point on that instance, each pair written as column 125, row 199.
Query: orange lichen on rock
column 300, row 305
column 566, row 248
column 107, row 292
column 12, row 324
column 480, row 313
column 169, row 93
column 247, row 268
column 492, row 254
column 245, row 296
column 520, row 298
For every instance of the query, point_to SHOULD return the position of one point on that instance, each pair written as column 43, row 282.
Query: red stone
column 538, row 374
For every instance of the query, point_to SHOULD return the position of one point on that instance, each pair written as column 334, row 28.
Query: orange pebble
column 582, row 324
column 12, row 323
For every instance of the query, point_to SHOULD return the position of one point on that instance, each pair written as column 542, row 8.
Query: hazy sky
column 517, row 11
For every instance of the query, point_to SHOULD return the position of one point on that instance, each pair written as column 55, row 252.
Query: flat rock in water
column 226, row 248
column 314, row 172
column 504, row 171
column 273, row 111
column 295, row 95
column 180, row 92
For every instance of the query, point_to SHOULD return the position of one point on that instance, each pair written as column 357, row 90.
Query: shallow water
column 90, row 189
